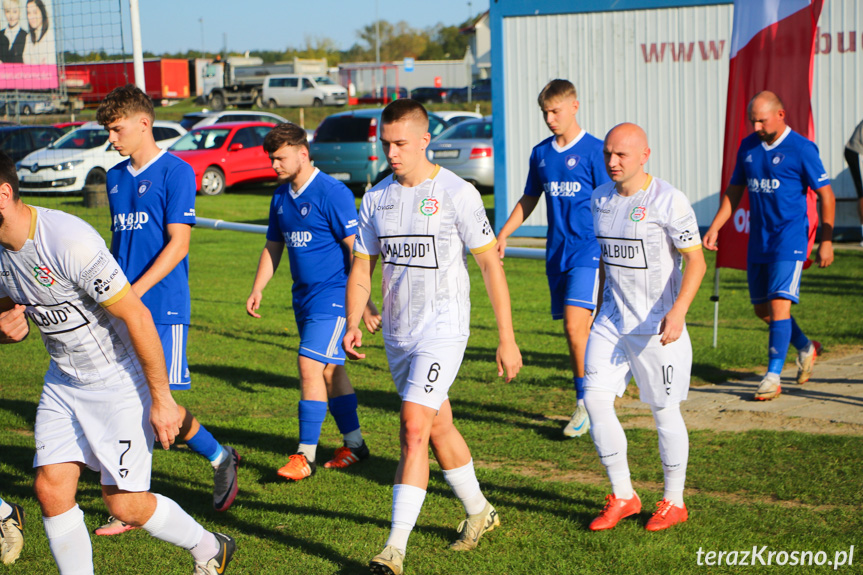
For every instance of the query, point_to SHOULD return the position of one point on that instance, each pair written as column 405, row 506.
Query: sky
column 174, row 25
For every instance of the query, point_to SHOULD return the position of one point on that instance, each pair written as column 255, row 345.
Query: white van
column 303, row 90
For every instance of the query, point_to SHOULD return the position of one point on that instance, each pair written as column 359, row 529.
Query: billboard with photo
column 28, row 47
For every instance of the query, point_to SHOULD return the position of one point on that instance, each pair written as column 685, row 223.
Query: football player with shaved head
column 778, row 166
column 418, row 223
column 645, row 227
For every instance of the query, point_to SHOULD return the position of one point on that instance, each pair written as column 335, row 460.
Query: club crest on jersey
column 429, row 206
column 143, row 186
column 638, row 214
column 777, row 158
column 114, row 190
column 572, row 161
column 305, row 209
column 44, row 275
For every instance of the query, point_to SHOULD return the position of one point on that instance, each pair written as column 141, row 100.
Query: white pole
column 137, row 50
column 715, row 300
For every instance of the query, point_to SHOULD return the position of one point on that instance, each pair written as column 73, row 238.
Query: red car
column 69, row 126
column 224, row 155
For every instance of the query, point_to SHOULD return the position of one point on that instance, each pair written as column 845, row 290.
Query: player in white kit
column 106, row 394
column 418, row 223
column 644, row 227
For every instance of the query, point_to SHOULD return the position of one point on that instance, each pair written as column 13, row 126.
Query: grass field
column 789, row 491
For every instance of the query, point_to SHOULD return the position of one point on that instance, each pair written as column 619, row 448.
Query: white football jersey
column 641, row 237
column 420, row 234
column 65, row 274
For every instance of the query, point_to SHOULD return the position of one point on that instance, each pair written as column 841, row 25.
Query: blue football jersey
column 778, row 177
column 568, row 177
column 143, row 203
column 312, row 227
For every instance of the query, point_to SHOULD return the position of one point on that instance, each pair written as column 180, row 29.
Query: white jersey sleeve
column 682, row 227
column 472, row 222
column 367, row 244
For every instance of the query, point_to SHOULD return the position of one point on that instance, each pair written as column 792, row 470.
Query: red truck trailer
column 166, row 78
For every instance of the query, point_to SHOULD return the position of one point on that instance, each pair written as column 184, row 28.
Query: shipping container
column 662, row 64
column 165, row 78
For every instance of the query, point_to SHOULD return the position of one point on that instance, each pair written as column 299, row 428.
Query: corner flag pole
column 715, row 299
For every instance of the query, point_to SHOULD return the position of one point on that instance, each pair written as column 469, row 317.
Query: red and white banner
column 772, row 48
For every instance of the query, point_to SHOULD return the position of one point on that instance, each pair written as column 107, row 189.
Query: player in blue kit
column 566, row 167
column 777, row 165
column 152, row 201
column 314, row 216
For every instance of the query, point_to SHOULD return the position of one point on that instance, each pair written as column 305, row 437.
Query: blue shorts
column 174, row 345
column 777, row 280
column 577, row 287
column 321, row 338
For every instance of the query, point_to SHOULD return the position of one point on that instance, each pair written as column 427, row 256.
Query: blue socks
column 311, row 415
column 798, row 338
column 780, row 339
column 578, row 382
column 203, row 443
column 344, row 410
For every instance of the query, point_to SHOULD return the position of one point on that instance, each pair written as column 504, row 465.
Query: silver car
column 467, row 150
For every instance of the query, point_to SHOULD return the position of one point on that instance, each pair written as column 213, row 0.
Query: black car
column 430, row 94
column 481, row 90
column 18, row 141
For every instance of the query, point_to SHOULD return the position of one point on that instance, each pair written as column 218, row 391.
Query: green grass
column 787, row 490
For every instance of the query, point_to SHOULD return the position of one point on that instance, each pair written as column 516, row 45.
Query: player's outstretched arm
column 164, row 415
column 727, row 204
column 267, row 266
column 177, row 248
column 520, row 212
column 828, row 217
column 357, row 296
column 13, row 322
column 672, row 324
column 508, row 354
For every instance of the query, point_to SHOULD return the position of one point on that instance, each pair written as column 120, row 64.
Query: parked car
column 303, row 90
column 453, row 117
column 18, row 141
column 67, row 127
column 430, row 94
column 224, row 155
column 466, row 149
column 383, row 95
column 201, row 119
column 81, row 157
column 26, row 107
column 347, row 145
column 480, row 90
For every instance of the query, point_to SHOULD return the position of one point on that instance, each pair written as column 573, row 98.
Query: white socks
column 465, row 486
column 5, row 509
column 610, row 440
column 407, row 502
column 171, row 524
column 69, row 541
column 310, row 451
column 673, row 449
column 353, row 438
column 220, row 458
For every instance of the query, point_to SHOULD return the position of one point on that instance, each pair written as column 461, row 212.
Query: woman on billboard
column 40, row 47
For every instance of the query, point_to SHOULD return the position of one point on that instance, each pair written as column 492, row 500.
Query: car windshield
column 343, row 129
column 190, row 120
column 323, row 80
column 201, row 140
column 468, row 131
column 82, row 139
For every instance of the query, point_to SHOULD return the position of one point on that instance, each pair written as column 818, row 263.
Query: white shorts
column 661, row 372
column 107, row 429
column 423, row 371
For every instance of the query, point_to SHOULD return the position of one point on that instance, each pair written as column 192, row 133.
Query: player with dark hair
column 778, row 166
column 152, row 201
column 106, row 395
column 315, row 217
column 566, row 167
column 418, row 221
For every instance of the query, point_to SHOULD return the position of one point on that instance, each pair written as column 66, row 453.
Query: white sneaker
column 806, row 361
column 390, row 561
column 474, row 527
column 579, row 423
column 769, row 388
column 12, row 535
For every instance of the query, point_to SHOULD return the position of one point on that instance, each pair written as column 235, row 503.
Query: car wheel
column 272, row 104
column 96, row 177
column 259, row 100
column 317, row 103
column 212, row 182
column 26, row 110
column 217, row 102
